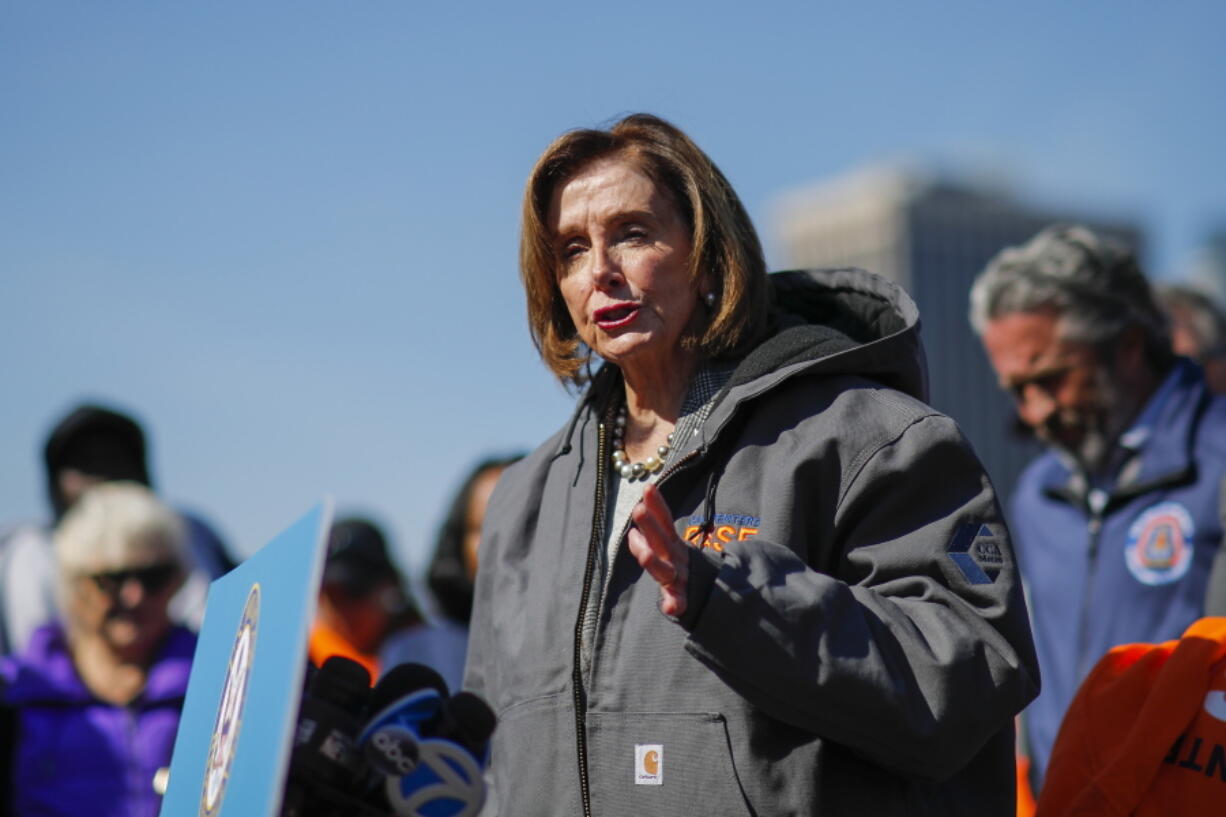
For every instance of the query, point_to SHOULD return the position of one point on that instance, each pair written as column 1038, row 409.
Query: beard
column 1088, row 434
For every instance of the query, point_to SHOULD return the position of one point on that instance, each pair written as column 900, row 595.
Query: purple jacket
column 77, row 755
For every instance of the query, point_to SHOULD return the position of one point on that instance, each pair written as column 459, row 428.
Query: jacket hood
column 843, row 321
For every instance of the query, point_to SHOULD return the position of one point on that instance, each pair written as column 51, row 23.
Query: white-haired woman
column 93, row 703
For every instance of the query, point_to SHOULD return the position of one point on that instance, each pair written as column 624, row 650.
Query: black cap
column 96, row 441
column 357, row 557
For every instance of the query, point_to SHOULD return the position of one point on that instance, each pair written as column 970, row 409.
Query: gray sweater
column 856, row 640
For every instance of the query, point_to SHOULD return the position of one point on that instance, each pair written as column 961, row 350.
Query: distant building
column 932, row 236
column 1208, row 269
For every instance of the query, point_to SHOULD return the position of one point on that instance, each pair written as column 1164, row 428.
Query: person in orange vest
column 1146, row 733
column 366, row 612
column 361, row 599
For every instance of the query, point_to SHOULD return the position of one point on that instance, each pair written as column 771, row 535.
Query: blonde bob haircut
column 725, row 245
column 114, row 526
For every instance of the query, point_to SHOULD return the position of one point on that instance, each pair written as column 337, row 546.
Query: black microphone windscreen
column 403, row 679
column 346, row 670
column 342, row 681
column 473, row 717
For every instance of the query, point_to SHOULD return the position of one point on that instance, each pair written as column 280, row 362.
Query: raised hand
column 656, row 546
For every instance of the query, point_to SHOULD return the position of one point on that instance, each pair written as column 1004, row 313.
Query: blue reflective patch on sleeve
column 973, row 572
column 960, row 553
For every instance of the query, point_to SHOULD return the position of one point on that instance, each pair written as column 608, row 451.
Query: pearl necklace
column 621, row 463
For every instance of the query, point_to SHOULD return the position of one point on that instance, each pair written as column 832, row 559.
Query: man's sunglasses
column 152, row 578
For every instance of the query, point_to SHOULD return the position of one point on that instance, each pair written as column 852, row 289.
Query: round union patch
column 1159, row 549
column 230, row 710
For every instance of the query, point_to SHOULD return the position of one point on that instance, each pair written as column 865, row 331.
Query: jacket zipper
column 580, row 693
column 1096, row 506
column 133, row 770
column 608, row 577
column 596, row 541
column 677, row 466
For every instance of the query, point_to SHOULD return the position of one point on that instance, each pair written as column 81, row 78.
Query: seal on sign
column 230, row 711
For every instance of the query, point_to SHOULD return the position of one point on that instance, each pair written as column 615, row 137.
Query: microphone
column 431, row 747
column 324, row 761
column 472, row 722
column 330, row 718
column 408, row 703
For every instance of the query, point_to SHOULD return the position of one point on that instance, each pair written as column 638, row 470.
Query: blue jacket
column 1123, row 562
column 77, row 755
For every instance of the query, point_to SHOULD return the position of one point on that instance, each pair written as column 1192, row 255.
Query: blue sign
column 232, row 751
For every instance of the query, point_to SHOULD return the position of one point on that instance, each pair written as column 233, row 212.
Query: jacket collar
column 45, row 672
column 171, row 670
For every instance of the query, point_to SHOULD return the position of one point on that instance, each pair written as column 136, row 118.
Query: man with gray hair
column 1118, row 524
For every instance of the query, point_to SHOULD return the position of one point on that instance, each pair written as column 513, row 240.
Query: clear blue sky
column 284, row 234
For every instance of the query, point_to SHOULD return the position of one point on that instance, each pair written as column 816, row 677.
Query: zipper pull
column 1097, row 501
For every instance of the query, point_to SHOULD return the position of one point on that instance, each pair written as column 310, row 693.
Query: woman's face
column 126, row 608
column 622, row 250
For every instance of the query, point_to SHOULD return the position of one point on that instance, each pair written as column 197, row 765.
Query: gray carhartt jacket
column 856, row 640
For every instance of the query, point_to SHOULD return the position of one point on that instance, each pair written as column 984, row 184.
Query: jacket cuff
column 704, row 568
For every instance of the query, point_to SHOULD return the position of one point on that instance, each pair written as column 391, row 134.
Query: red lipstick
column 615, row 316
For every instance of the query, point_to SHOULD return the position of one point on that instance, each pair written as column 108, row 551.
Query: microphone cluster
column 405, row 748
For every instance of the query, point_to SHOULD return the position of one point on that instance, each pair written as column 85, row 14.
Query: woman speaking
column 754, row 573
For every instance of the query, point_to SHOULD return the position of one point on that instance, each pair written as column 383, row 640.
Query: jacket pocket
column 661, row 763
column 534, row 760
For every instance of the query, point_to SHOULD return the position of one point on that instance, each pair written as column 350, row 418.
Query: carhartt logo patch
column 976, row 552
column 648, row 764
